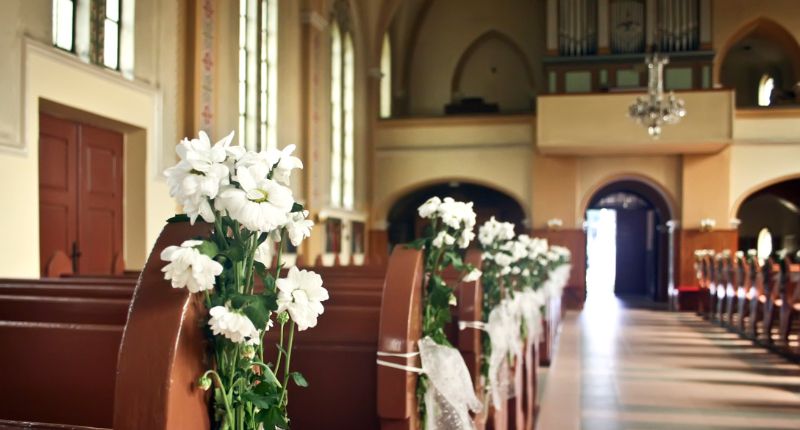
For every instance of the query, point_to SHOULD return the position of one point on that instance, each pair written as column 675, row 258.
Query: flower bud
column 204, row 382
column 248, row 352
column 453, row 301
column 283, row 317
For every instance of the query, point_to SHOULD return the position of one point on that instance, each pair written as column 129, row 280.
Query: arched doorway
column 627, row 241
column 762, row 63
column 776, row 207
column 405, row 224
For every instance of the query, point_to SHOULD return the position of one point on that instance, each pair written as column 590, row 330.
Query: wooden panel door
column 99, row 200
column 58, row 187
column 631, row 252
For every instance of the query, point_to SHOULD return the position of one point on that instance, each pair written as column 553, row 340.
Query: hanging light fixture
column 656, row 110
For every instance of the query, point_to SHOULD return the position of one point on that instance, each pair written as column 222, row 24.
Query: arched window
column 386, row 78
column 258, row 76
column 765, row 87
column 342, row 115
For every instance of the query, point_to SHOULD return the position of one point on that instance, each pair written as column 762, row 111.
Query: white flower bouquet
column 450, row 230
column 246, row 199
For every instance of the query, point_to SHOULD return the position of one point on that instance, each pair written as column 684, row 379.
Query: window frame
column 257, row 79
column 118, row 23
column 342, row 129
column 54, row 25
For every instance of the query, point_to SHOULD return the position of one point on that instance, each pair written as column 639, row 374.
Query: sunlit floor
column 618, row 367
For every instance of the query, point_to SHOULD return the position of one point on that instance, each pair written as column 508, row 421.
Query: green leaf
column 272, row 417
column 208, row 248
column 297, row 207
column 235, row 252
column 262, row 401
column 178, row 218
column 299, row 379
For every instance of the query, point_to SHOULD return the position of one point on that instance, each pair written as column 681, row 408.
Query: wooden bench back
column 160, row 357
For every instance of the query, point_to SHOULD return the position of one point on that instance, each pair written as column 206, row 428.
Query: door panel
column 631, row 252
column 99, row 199
column 58, row 187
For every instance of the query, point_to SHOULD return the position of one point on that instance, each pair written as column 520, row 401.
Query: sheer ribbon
column 450, row 395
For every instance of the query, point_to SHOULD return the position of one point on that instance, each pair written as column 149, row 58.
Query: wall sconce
column 707, row 224
column 554, row 223
column 672, row 225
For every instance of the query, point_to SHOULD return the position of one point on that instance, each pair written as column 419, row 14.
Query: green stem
column 284, row 400
column 280, row 350
column 280, row 255
column 225, row 395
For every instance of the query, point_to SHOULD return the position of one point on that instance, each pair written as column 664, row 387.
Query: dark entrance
column 405, row 224
column 641, row 237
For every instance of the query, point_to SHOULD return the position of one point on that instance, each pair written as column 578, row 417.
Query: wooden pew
column 71, row 330
column 736, row 291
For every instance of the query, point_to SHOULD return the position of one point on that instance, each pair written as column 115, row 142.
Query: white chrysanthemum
column 430, row 207
column 232, row 325
column 472, row 276
column 259, row 204
column 301, row 294
column 465, row 238
column 286, row 163
column 502, row 259
column 264, row 253
column 298, row 227
column 188, row 268
column 456, row 214
column 199, row 174
column 443, row 239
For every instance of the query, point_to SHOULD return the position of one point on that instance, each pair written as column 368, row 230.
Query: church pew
column 73, row 330
column 736, row 291
column 788, row 304
column 752, row 273
column 768, row 299
column 76, row 338
column 160, row 355
column 79, row 310
column 66, row 290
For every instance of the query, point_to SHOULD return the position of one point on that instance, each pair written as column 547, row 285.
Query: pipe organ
column 678, row 25
column 577, row 27
column 626, row 26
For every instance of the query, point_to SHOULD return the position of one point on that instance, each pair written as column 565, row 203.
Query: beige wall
column 704, row 176
column 728, row 16
column 61, row 78
column 450, row 26
column 495, row 152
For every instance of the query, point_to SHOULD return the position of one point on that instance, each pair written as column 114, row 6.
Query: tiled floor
column 628, row 368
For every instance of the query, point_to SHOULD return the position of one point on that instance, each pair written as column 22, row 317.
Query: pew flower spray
column 246, row 199
column 445, row 391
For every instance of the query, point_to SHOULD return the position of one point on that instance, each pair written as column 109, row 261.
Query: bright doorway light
column 601, row 254
column 765, row 87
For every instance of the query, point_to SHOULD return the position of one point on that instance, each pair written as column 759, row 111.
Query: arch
column 737, row 204
column 774, row 205
column 480, row 40
column 767, row 29
column 669, row 206
column 404, row 223
column 646, row 269
column 381, row 211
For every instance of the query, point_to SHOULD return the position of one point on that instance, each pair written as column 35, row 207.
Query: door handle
column 75, row 255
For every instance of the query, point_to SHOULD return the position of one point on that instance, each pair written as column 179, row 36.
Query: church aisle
column 650, row 369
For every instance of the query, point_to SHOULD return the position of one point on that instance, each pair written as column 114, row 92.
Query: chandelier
column 656, row 110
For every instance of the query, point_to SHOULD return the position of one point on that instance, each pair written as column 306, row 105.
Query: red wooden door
column 80, row 194
column 58, row 187
column 99, row 200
